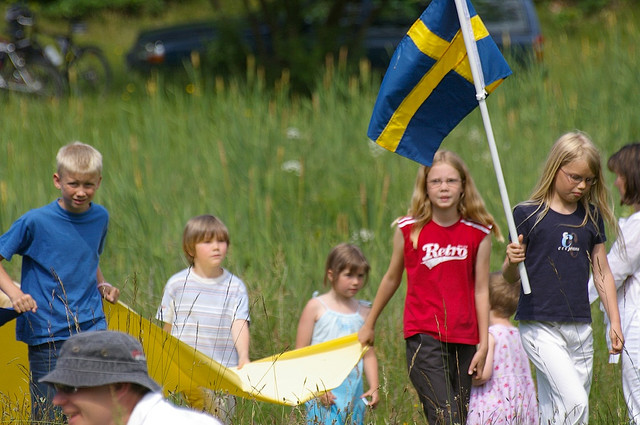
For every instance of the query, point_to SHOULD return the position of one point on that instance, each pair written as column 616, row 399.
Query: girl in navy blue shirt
column 561, row 239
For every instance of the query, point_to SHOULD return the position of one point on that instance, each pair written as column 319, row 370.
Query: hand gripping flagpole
column 481, row 94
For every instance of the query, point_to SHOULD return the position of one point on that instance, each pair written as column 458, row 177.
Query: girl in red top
column 444, row 243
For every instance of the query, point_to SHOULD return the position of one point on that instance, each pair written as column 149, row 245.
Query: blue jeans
column 42, row 360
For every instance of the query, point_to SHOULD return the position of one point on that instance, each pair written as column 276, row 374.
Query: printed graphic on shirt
column 435, row 254
column 568, row 240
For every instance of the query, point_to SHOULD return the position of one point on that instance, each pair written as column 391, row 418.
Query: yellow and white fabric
column 288, row 378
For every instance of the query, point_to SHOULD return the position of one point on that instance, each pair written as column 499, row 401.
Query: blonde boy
column 62, row 285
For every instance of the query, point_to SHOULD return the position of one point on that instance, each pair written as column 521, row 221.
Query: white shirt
column 625, row 267
column 201, row 312
column 153, row 409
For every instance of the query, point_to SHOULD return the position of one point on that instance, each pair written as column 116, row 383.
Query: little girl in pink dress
column 505, row 393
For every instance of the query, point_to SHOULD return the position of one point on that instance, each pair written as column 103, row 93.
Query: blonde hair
column 202, row 228
column 503, row 296
column 346, row 256
column 574, row 146
column 78, row 157
column 471, row 205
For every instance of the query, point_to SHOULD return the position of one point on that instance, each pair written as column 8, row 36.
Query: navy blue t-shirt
column 558, row 262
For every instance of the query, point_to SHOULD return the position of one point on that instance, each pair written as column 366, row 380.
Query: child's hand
column 109, row 292
column 242, row 362
column 366, row 336
column 24, row 302
column 327, row 399
column 617, row 340
column 477, row 363
column 477, row 381
column 375, row 397
column 515, row 251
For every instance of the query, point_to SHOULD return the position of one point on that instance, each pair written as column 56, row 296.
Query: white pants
column 562, row 354
column 631, row 367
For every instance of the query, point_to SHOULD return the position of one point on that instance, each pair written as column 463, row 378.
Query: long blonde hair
column 471, row 205
column 574, row 146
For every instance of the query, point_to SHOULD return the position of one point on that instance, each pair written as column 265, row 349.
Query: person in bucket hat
column 101, row 378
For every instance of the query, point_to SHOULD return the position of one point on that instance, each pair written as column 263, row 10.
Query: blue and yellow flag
column 428, row 88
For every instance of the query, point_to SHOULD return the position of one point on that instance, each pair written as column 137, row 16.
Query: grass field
column 293, row 176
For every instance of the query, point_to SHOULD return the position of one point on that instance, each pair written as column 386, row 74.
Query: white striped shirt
column 201, row 312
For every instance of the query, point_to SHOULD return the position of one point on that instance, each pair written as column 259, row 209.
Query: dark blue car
column 513, row 24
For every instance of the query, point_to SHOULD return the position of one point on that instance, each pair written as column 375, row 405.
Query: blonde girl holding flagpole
column 561, row 238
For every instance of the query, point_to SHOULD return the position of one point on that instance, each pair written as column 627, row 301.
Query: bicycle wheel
column 88, row 72
column 41, row 78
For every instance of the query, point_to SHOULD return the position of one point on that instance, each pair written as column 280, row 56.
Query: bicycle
column 83, row 68
column 23, row 70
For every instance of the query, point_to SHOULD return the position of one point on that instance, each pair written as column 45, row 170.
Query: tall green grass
column 293, row 176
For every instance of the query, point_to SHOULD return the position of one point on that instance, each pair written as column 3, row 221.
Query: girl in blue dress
column 332, row 315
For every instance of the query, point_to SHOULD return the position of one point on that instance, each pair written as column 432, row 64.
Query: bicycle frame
column 83, row 66
column 78, row 68
column 25, row 83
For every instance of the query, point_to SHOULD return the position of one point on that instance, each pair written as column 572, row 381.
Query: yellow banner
column 289, row 378
column 14, row 368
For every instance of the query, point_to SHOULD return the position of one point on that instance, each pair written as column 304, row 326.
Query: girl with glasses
column 561, row 239
column 444, row 244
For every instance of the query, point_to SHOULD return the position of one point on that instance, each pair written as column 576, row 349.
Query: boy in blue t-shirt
column 62, row 285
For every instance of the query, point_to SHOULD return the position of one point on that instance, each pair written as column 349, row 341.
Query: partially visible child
column 504, row 393
column 624, row 260
column 332, row 315
column 444, row 244
column 206, row 306
column 62, row 285
column 561, row 237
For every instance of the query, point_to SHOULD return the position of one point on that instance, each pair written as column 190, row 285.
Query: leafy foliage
column 72, row 9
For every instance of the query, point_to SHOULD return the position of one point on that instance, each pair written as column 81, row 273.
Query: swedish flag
column 428, row 88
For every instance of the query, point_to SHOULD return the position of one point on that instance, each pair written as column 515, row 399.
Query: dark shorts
column 439, row 373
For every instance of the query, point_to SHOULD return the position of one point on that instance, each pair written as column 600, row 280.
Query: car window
column 502, row 15
column 497, row 15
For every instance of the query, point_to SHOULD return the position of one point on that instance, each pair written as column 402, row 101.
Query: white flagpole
column 481, row 94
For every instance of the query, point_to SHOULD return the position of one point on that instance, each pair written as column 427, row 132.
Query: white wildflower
column 294, row 166
column 293, row 133
column 362, row 236
column 475, row 135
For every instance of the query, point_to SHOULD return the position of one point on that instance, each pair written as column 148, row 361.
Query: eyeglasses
column 438, row 182
column 65, row 389
column 576, row 179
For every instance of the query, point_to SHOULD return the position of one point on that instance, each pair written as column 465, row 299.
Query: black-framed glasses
column 576, row 179
column 65, row 389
